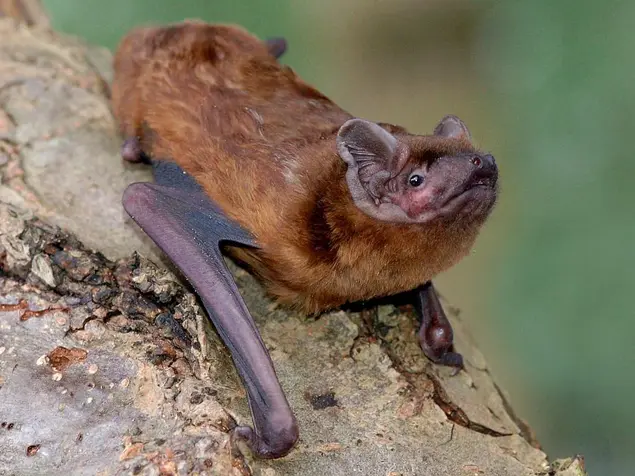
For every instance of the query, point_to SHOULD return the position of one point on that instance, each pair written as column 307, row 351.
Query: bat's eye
column 415, row 180
column 476, row 161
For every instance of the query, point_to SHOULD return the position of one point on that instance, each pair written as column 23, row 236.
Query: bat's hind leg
column 435, row 334
column 131, row 151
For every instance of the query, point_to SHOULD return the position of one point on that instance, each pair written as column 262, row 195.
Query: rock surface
column 108, row 365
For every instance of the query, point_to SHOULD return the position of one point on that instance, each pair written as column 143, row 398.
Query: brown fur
column 261, row 142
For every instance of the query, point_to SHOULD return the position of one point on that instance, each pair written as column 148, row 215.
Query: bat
column 323, row 207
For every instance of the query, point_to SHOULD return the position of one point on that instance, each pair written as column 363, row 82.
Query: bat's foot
column 131, row 151
column 444, row 357
column 435, row 334
column 278, row 443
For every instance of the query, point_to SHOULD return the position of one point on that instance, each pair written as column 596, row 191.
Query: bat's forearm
column 275, row 429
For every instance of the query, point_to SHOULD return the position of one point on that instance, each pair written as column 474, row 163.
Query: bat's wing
column 189, row 228
column 277, row 46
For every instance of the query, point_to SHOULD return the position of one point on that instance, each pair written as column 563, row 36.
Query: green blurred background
column 548, row 87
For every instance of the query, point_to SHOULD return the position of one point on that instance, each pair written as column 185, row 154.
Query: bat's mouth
column 478, row 192
column 482, row 182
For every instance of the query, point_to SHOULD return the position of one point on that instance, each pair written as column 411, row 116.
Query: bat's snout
column 485, row 170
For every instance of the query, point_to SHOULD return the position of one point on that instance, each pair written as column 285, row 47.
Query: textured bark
column 108, row 365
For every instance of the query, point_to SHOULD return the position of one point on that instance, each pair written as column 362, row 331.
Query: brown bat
column 323, row 207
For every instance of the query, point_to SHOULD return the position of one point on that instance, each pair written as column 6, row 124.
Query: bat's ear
column 453, row 128
column 373, row 156
column 369, row 147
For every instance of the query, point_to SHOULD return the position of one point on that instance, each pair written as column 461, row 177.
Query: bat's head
column 403, row 178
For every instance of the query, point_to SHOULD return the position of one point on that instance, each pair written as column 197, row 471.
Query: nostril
column 485, row 168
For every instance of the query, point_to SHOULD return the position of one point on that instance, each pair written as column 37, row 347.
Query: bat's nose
column 485, row 168
column 489, row 161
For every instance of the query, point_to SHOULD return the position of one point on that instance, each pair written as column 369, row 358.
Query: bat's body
column 332, row 209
